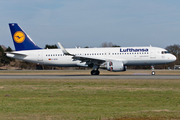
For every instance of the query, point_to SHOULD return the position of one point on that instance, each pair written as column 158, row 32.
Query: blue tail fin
column 21, row 40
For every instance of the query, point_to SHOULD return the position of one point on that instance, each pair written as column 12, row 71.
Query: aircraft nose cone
column 173, row 58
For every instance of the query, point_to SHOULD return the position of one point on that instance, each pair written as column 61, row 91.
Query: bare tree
column 105, row 44
column 175, row 50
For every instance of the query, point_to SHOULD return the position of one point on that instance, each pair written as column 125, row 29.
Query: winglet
column 64, row 50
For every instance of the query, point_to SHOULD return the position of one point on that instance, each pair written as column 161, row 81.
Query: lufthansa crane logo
column 19, row 37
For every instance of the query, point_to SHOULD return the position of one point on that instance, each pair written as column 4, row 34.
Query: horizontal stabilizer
column 16, row 53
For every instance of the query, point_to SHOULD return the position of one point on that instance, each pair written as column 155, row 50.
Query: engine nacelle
column 115, row 66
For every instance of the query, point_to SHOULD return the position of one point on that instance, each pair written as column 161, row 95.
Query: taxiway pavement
column 89, row 77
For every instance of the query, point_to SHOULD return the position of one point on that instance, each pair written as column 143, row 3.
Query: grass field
column 84, row 99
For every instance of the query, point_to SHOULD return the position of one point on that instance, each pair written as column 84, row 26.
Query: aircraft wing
column 86, row 59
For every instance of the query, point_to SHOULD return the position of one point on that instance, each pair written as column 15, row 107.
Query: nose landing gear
column 153, row 72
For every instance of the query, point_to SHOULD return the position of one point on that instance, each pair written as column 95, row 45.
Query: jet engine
column 115, row 66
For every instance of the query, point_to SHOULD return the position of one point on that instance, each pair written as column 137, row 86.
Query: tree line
column 8, row 63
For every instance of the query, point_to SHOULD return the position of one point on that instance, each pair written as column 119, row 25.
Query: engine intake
column 115, row 66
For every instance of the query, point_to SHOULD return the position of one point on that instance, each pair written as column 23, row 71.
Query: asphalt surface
column 89, row 77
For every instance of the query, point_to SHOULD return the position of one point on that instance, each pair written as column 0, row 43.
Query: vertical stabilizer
column 21, row 40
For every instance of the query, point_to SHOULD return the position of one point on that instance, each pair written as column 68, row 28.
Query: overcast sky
column 92, row 22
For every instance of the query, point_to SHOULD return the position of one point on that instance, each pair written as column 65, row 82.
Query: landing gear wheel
column 95, row 72
column 153, row 73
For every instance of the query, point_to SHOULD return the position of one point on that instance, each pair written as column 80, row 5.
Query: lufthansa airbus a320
column 114, row 59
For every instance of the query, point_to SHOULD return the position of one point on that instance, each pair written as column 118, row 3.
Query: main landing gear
column 95, row 70
column 153, row 72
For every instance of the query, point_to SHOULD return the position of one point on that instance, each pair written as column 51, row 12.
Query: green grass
column 89, row 99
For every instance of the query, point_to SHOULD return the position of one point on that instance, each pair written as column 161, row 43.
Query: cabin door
column 152, row 53
column 40, row 56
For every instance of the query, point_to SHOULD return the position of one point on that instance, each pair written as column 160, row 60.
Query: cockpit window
column 164, row 52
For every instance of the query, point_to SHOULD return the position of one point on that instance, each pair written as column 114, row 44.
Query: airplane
column 114, row 59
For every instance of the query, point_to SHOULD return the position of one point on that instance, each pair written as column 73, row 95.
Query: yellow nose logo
column 19, row 37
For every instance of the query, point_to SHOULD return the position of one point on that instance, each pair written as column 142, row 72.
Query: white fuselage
column 128, row 55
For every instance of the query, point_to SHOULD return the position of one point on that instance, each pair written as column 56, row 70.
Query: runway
column 89, row 77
